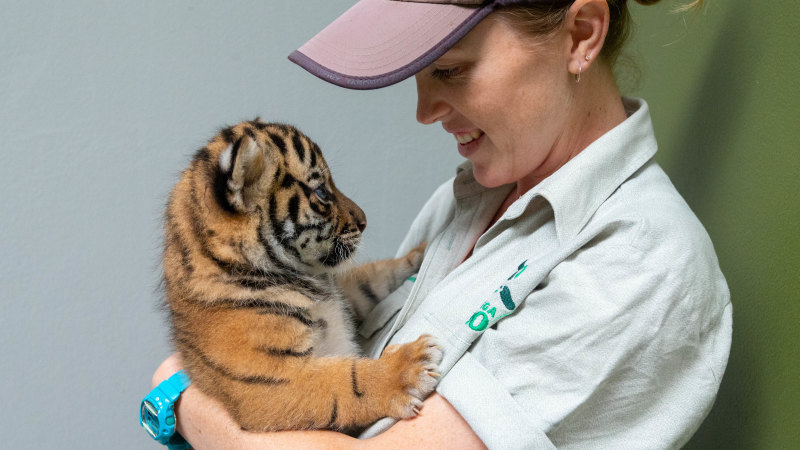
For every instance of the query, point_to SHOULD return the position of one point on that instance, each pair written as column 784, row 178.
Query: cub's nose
column 357, row 216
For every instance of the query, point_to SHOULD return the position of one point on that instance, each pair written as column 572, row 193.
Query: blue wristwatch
column 157, row 413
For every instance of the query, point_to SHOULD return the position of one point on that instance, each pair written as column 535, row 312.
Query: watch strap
column 173, row 386
column 177, row 442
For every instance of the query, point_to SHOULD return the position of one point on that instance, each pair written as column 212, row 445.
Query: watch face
column 150, row 418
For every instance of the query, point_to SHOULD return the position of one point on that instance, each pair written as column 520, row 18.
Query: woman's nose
column 431, row 108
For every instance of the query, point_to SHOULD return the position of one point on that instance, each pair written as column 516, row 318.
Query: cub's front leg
column 366, row 285
column 343, row 393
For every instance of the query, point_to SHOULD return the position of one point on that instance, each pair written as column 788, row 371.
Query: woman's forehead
column 475, row 39
column 456, row 52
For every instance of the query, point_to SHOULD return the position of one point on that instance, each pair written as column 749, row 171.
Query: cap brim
column 377, row 43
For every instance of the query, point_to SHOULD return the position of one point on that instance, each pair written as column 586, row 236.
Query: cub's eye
column 322, row 194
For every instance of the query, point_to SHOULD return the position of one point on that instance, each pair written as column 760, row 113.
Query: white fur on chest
column 337, row 338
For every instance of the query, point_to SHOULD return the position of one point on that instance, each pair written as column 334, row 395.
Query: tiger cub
column 256, row 238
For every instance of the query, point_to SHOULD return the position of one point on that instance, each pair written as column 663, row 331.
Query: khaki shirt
column 592, row 314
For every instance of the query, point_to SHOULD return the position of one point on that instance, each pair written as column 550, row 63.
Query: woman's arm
column 206, row 425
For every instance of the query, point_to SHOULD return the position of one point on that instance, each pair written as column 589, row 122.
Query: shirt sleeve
column 620, row 347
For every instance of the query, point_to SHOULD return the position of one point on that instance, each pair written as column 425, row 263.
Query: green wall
column 724, row 92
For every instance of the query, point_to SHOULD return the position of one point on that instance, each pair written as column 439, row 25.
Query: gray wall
column 101, row 105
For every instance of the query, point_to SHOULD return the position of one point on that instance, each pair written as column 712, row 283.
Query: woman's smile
column 468, row 141
column 469, row 145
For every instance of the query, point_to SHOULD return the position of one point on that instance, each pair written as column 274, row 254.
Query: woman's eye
column 445, row 74
column 322, row 194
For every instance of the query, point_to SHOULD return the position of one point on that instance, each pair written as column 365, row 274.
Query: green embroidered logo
column 480, row 319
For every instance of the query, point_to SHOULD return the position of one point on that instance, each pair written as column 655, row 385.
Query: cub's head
column 264, row 199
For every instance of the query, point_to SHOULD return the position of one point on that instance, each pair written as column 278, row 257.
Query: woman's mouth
column 468, row 142
column 466, row 138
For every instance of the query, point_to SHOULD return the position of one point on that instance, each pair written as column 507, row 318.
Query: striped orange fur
column 256, row 238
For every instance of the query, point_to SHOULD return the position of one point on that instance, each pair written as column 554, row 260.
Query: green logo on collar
column 480, row 319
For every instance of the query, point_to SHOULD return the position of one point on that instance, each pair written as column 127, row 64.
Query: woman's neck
column 595, row 109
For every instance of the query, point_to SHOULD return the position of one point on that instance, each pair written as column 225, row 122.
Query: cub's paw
column 414, row 368
column 414, row 257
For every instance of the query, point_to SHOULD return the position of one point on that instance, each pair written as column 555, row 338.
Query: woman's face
column 505, row 98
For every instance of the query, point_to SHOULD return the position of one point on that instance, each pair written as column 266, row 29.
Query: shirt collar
column 577, row 189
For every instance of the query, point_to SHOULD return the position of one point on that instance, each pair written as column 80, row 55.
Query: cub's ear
column 241, row 167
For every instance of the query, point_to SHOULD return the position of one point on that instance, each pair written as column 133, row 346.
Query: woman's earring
column 580, row 69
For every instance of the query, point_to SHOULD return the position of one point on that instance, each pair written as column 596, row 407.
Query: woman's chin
column 489, row 178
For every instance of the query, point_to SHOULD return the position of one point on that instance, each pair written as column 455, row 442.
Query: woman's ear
column 587, row 23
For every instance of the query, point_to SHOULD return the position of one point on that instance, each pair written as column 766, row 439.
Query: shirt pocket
column 386, row 310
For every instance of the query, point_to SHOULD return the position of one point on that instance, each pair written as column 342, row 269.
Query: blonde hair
column 540, row 19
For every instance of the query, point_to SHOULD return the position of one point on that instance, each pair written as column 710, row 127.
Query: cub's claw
column 417, row 366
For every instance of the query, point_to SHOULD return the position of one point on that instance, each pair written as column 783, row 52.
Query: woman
column 619, row 320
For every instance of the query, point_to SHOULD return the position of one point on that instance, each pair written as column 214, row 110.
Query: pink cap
column 377, row 43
